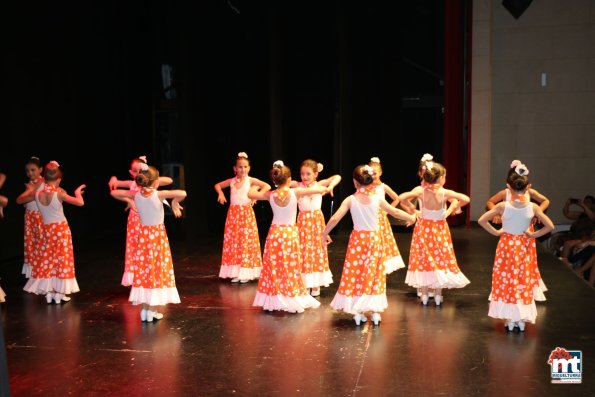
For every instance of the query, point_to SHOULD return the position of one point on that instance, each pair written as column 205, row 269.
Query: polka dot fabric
column 53, row 270
column 32, row 240
column 280, row 286
column 512, row 280
column 315, row 264
column 132, row 231
column 363, row 282
column 393, row 260
column 432, row 261
column 154, row 281
column 241, row 256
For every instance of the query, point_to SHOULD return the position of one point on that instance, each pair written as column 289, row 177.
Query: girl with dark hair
column 54, row 274
column 153, row 283
column 33, row 222
column 310, row 222
column 530, row 195
column 363, row 281
column 241, row 260
column 280, row 286
column 432, row 260
column 392, row 255
column 512, row 296
column 133, row 222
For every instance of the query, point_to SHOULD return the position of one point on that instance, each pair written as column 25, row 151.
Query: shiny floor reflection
column 216, row 344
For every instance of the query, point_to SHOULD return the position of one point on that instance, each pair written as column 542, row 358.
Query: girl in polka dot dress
column 154, row 282
column 310, row 222
column 33, row 223
column 280, row 286
column 531, row 194
column 53, row 275
column 241, row 260
column 512, row 296
column 432, row 260
column 363, row 282
column 393, row 258
column 133, row 222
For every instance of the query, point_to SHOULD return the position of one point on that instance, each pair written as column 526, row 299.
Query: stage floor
column 216, row 344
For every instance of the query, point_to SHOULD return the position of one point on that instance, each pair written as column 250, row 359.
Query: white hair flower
column 278, row 163
column 429, row 165
column 521, row 169
column 319, row 167
column 54, row 162
column 144, row 167
column 375, row 160
column 515, row 163
column 143, row 159
column 368, row 170
column 243, row 154
column 427, row 157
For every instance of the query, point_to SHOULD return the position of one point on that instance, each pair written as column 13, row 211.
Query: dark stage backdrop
column 190, row 84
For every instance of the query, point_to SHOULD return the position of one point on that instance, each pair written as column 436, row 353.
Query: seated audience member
column 582, row 213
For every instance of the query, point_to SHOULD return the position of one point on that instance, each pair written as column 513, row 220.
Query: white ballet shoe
column 49, row 297
column 235, row 280
column 58, row 298
column 315, row 291
column 424, row 300
column 359, row 318
column 151, row 315
column 376, row 318
column 244, row 281
column 521, row 325
column 510, row 325
column 143, row 315
column 65, row 298
column 438, row 299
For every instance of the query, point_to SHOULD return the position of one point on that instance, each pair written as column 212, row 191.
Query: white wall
column 550, row 128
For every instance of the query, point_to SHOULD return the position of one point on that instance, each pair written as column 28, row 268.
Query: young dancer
column 512, row 296
column 154, row 282
column 393, row 258
column 280, row 286
column 316, row 272
column 543, row 202
column 53, row 271
column 363, row 281
column 432, row 260
column 133, row 222
column 453, row 207
column 241, row 259
column 33, row 222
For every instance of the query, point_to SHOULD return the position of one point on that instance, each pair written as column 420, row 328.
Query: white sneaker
column 376, row 318
column 521, row 325
column 424, row 300
column 143, row 315
column 438, row 299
